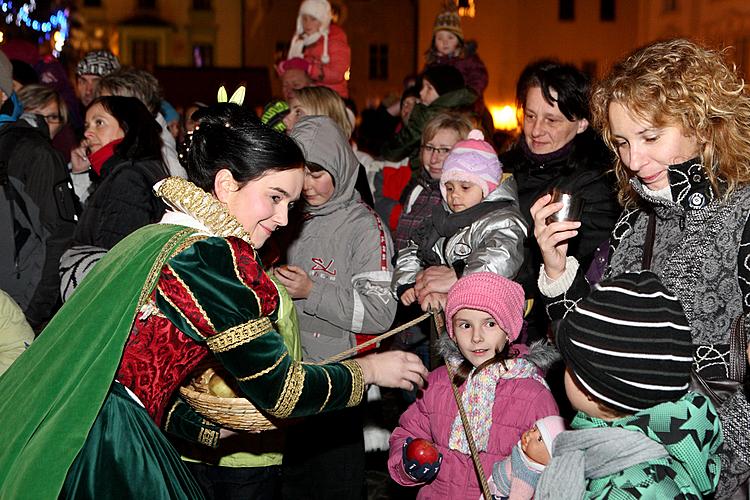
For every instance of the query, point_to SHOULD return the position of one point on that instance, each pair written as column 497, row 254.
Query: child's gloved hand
column 420, row 472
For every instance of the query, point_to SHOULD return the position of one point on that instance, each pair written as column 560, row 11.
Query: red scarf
column 104, row 153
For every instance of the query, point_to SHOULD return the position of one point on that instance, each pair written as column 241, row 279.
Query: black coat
column 43, row 176
column 122, row 201
column 586, row 170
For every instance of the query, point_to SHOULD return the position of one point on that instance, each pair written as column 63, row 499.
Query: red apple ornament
column 422, row 451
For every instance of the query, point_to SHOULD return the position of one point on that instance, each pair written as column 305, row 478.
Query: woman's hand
column 408, row 297
column 434, row 302
column 295, row 280
column 397, row 369
column 552, row 238
column 79, row 160
column 434, row 279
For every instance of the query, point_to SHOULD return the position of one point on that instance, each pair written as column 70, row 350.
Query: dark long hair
column 229, row 137
column 142, row 133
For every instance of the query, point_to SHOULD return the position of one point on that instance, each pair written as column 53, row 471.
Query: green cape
column 51, row 395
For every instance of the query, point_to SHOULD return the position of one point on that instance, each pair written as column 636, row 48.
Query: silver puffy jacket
column 493, row 243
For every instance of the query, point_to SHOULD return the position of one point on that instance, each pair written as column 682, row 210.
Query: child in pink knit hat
column 502, row 394
column 516, row 476
column 478, row 228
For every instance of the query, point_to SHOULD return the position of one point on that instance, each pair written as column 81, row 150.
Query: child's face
column 461, row 195
column 580, row 400
column 319, row 187
column 478, row 335
column 534, row 447
column 446, row 43
column 435, row 151
column 428, row 94
column 310, row 24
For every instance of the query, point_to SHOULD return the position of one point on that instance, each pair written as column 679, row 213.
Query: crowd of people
column 564, row 358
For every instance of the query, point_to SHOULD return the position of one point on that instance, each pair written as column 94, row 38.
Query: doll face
column 478, row 335
column 533, row 446
column 446, row 43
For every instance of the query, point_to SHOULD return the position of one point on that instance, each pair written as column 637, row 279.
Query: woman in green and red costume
column 82, row 407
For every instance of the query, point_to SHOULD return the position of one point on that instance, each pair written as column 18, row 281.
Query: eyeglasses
column 432, row 149
column 53, row 118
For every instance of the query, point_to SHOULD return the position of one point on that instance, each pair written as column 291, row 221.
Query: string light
column 56, row 27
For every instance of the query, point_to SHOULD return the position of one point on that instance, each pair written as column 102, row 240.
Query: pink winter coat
column 330, row 75
column 519, row 403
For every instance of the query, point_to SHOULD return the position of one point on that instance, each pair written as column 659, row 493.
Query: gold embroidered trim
column 358, row 382
column 197, row 304
column 263, row 372
column 208, row 437
column 328, row 396
column 169, row 415
column 189, row 241
column 290, row 394
column 192, row 200
column 239, row 335
column 182, row 315
column 155, row 271
column 239, row 275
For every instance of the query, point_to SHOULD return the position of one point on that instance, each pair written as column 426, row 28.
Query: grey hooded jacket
column 492, row 243
column 345, row 249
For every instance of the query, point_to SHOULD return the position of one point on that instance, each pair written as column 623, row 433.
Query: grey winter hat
column 6, row 74
column 98, row 62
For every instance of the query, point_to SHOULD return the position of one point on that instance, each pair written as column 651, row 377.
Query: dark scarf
column 104, row 153
column 446, row 224
column 546, row 157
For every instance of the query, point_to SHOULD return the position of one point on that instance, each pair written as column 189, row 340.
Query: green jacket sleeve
column 216, row 292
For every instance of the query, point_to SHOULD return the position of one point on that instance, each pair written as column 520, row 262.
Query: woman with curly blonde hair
column 678, row 118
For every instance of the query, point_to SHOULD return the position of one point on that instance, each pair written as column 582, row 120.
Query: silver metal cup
column 571, row 210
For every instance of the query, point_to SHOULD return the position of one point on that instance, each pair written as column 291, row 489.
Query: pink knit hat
column 473, row 160
column 491, row 293
column 549, row 428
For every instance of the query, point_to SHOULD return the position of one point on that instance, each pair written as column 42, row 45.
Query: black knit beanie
column 444, row 78
column 629, row 343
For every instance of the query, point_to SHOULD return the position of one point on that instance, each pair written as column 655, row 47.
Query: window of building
column 378, row 61
column 567, row 10
column 201, row 4
column 203, row 55
column 607, row 10
column 92, row 3
column 669, row 5
column 146, row 4
column 145, row 53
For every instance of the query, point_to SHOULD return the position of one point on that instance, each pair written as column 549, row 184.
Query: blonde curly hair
column 679, row 83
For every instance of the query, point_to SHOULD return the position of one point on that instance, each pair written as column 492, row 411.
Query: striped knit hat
column 449, row 20
column 472, row 160
column 628, row 343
